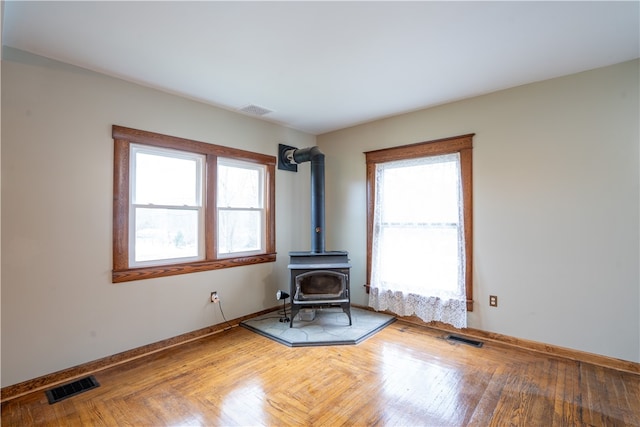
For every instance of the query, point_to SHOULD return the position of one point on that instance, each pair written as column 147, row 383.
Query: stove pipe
column 315, row 156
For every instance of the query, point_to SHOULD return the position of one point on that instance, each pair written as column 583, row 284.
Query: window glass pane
column 409, row 193
column 164, row 180
column 239, row 231
column 418, row 242
column 165, row 234
column 420, row 258
column 239, row 184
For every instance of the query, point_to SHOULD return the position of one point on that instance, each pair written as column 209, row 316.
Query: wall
column 556, row 205
column 59, row 307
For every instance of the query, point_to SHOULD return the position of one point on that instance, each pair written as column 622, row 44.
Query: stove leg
column 346, row 307
column 294, row 312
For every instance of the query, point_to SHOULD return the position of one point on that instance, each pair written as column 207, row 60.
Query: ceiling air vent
column 64, row 391
column 255, row 110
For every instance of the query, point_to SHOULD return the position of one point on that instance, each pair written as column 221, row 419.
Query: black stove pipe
column 315, row 156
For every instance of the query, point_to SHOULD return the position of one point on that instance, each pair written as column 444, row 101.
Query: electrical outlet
column 214, row 297
column 493, row 300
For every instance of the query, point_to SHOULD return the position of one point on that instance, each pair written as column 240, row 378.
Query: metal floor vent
column 456, row 338
column 64, row 391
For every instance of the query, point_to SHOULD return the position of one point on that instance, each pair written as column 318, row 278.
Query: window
column 183, row 206
column 419, row 229
column 240, row 207
column 166, row 211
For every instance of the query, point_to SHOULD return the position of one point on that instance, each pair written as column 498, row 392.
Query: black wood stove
column 319, row 278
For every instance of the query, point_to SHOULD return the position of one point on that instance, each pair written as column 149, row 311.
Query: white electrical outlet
column 214, row 297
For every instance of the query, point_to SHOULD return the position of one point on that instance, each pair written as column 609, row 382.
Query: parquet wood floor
column 405, row 375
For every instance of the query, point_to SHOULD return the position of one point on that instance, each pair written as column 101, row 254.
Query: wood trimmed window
column 459, row 144
column 203, row 206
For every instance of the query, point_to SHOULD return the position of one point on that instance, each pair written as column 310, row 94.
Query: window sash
column 136, row 244
column 230, row 165
column 167, row 178
column 226, row 247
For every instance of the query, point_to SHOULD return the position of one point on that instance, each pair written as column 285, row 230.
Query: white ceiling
column 322, row 66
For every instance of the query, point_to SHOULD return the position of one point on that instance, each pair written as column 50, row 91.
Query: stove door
column 320, row 285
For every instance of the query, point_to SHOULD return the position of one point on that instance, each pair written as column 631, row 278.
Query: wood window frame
column 123, row 137
column 463, row 145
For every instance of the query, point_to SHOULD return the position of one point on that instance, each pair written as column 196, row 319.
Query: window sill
column 142, row 273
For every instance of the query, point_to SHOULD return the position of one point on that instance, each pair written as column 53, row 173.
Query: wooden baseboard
column 547, row 349
column 70, row 374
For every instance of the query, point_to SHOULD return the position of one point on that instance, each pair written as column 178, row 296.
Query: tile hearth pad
column 329, row 327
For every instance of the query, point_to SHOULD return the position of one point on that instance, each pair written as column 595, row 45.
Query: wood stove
column 319, row 280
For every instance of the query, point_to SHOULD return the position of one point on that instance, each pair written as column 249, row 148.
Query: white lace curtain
column 418, row 257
